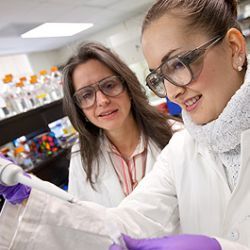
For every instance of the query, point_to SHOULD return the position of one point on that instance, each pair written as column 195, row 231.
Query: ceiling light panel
column 56, row 30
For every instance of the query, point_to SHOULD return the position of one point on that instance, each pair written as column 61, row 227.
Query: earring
column 239, row 68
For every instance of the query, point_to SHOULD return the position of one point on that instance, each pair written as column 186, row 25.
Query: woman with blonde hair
column 197, row 196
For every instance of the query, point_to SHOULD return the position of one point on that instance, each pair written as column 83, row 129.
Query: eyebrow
column 164, row 58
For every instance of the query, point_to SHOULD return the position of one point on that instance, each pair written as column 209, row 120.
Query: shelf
column 30, row 121
column 53, row 169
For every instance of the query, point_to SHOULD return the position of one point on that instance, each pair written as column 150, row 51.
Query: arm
column 49, row 223
column 84, row 223
column 151, row 211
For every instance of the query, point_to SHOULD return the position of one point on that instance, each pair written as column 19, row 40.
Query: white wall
column 124, row 38
column 17, row 65
column 43, row 60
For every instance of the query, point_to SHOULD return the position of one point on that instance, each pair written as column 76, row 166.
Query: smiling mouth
column 190, row 102
column 108, row 113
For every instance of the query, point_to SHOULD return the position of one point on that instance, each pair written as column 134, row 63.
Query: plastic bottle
column 29, row 91
column 9, row 97
column 23, row 97
column 56, row 82
column 41, row 93
column 22, row 158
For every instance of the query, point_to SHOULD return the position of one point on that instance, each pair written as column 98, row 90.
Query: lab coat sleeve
column 230, row 245
column 151, row 210
column 9, row 217
column 50, row 223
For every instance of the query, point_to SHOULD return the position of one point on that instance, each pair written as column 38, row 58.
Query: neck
column 125, row 138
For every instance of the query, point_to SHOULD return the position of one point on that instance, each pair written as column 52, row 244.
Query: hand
column 15, row 194
column 177, row 242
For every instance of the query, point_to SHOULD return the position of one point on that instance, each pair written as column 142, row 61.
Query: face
column 208, row 93
column 108, row 113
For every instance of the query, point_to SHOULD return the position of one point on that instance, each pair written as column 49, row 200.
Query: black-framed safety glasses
column 179, row 70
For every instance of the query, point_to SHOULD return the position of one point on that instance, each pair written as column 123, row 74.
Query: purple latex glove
column 177, row 242
column 14, row 194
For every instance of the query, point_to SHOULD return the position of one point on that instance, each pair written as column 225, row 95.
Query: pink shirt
column 130, row 170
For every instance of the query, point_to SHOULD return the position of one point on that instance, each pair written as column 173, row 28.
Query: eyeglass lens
column 111, row 86
column 179, row 70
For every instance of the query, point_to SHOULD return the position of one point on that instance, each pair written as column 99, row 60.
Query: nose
column 173, row 91
column 101, row 99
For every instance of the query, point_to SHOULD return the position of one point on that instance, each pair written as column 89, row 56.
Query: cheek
column 208, row 80
column 127, row 103
column 89, row 114
column 124, row 100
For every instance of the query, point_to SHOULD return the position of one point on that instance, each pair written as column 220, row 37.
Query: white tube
column 11, row 174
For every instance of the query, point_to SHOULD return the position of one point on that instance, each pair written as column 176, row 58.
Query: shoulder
column 182, row 138
column 75, row 155
column 75, row 148
column 180, row 144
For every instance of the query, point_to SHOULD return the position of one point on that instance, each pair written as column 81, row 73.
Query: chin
column 200, row 120
column 203, row 120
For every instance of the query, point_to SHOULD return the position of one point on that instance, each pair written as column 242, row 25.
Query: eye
column 176, row 64
column 171, row 66
column 110, row 85
column 87, row 94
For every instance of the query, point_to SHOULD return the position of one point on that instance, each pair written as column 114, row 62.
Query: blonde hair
column 214, row 17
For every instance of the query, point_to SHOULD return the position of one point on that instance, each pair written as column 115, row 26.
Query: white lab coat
column 186, row 192
column 108, row 192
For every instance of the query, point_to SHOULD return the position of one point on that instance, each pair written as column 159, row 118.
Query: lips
column 191, row 101
column 107, row 113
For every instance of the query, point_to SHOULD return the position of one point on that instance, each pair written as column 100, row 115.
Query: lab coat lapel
column 111, row 182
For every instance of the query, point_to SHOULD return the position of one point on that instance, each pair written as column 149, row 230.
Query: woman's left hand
column 177, row 242
column 15, row 194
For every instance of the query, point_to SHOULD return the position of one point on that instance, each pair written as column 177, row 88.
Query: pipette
column 11, row 174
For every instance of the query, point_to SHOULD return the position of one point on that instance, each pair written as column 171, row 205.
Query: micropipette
column 11, row 174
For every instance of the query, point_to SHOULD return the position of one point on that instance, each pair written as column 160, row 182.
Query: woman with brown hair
column 120, row 133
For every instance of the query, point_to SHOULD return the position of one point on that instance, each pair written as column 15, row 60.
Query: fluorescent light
column 56, row 30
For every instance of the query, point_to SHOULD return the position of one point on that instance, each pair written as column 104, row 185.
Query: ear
column 237, row 45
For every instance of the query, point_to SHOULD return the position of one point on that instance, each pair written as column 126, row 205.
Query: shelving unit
column 53, row 169
column 30, row 121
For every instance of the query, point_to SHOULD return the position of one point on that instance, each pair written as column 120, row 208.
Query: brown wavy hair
column 151, row 122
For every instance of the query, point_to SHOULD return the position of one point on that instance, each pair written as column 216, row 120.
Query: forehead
column 165, row 35
column 90, row 72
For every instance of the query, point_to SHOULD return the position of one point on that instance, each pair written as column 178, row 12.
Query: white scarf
column 222, row 135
